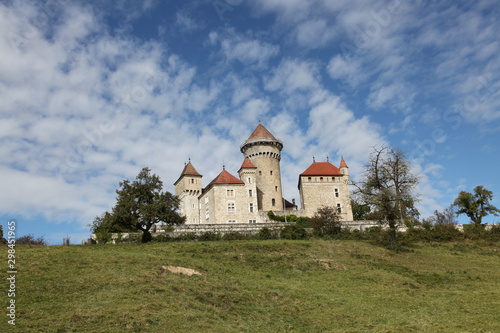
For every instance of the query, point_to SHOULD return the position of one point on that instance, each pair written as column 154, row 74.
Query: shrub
column 234, row 236
column 186, row 237
column 293, row 232
column 31, row 240
column 264, row 233
column 162, row 238
column 209, row 236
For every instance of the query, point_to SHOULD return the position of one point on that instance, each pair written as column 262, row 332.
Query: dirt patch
column 329, row 264
column 180, row 270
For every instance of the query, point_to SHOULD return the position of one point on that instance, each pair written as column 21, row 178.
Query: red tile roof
column 247, row 164
column 225, row 178
column 188, row 170
column 261, row 132
column 322, row 169
column 343, row 163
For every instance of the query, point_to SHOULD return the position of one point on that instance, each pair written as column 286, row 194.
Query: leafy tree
column 388, row 187
column 476, row 205
column 359, row 210
column 140, row 204
column 326, row 221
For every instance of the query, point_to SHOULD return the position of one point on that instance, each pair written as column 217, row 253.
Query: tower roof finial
column 314, row 159
column 327, row 158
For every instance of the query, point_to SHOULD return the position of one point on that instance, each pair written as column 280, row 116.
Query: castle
column 248, row 199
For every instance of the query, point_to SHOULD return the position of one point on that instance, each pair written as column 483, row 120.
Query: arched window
column 273, row 202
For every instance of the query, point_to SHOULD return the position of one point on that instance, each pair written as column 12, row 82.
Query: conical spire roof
column 188, row 170
column 247, row 164
column 343, row 164
column 261, row 132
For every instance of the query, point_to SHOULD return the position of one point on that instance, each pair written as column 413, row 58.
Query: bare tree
column 388, row 186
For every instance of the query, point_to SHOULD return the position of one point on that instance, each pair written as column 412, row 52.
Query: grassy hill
column 258, row 286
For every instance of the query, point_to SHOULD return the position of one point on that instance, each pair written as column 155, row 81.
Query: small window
column 252, row 221
column 260, row 173
column 276, row 188
column 251, row 207
column 321, row 179
column 249, row 180
column 339, row 209
column 333, row 179
column 250, row 193
column 336, row 193
column 230, row 193
column 231, row 221
column 309, row 179
column 230, row 207
column 271, row 172
column 273, row 202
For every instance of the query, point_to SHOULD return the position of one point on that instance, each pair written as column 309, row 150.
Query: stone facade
column 229, row 200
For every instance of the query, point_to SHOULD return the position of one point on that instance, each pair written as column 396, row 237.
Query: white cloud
column 350, row 71
column 314, row 33
column 294, row 75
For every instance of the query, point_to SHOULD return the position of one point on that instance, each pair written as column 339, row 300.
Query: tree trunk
column 393, row 237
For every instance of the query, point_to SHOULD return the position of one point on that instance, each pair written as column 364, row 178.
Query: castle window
column 271, row 172
column 230, row 193
column 309, row 179
column 333, row 179
column 249, row 180
column 339, row 209
column 260, row 173
column 231, row 221
column 276, row 188
column 273, row 202
column 251, row 207
column 252, row 221
column 321, row 178
column 250, row 194
column 230, row 207
column 336, row 193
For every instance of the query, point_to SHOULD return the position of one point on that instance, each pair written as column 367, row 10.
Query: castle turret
column 264, row 151
column 188, row 188
column 344, row 169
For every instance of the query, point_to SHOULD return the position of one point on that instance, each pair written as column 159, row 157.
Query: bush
column 264, row 233
column 162, row 238
column 293, row 232
column 186, row 237
column 209, row 236
column 234, row 236
column 31, row 240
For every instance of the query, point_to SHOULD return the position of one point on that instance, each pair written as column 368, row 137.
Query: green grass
column 258, row 286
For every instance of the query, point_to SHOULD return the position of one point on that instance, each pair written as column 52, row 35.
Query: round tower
column 264, row 151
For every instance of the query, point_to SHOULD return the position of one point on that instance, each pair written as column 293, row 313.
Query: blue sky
column 92, row 91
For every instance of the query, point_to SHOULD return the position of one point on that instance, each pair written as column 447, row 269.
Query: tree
column 359, row 210
column 140, row 204
column 476, row 205
column 446, row 217
column 388, row 187
column 326, row 221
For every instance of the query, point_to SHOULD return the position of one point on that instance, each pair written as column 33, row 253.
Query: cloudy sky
column 92, row 91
